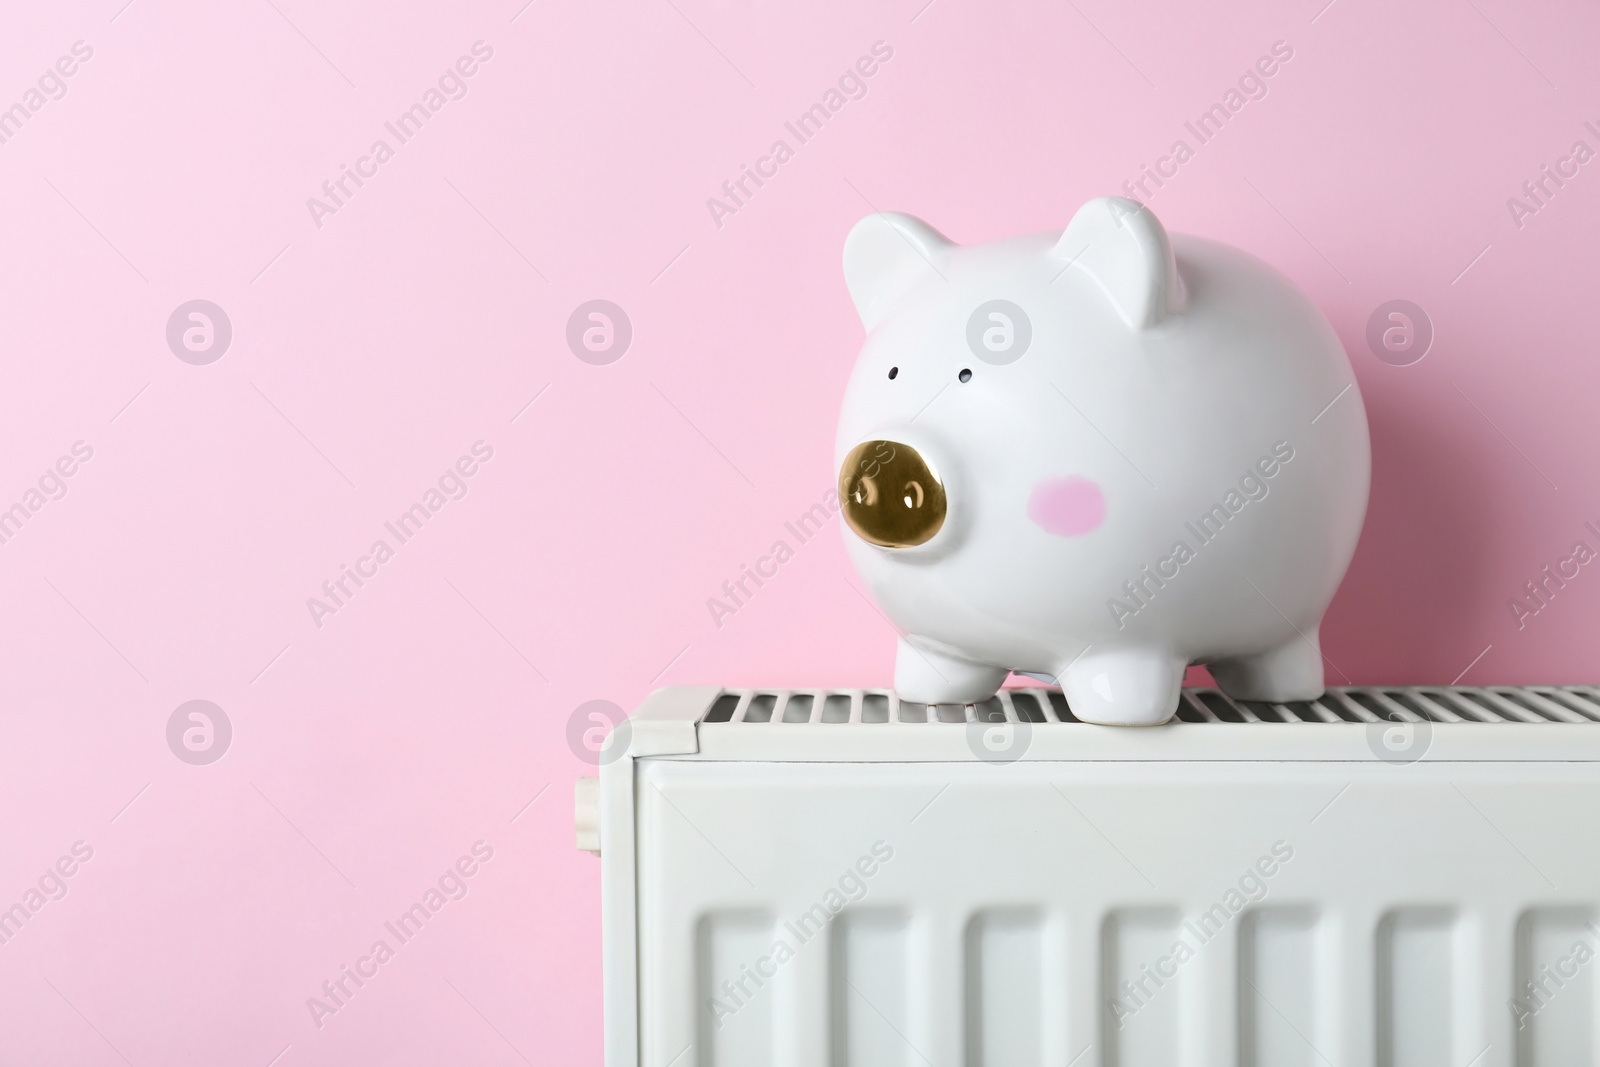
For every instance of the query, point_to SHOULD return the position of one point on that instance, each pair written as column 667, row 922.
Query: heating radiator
column 1381, row 878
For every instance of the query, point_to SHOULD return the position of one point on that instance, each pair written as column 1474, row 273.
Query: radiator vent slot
column 1347, row 704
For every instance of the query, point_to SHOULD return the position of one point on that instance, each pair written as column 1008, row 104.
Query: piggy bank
column 1096, row 457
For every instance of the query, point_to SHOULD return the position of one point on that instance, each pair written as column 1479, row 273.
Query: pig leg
column 923, row 676
column 1124, row 687
column 1292, row 671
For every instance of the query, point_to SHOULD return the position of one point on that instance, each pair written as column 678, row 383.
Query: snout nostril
column 874, row 508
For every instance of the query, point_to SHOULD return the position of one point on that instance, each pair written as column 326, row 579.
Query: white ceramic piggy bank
column 1096, row 456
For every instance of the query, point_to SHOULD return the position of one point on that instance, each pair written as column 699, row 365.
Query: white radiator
column 1382, row 878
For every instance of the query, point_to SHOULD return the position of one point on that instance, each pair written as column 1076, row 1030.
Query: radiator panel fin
column 736, row 1020
column 1554, row 1003
column 1004, row 988
column 1278, row 993
column 1143, row 1016
column 1417, row 994
column 870, row 990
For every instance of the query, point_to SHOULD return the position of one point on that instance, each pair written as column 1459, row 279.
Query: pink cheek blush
column 1067, row 507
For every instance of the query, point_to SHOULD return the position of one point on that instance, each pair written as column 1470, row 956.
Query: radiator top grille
column 1346, row 704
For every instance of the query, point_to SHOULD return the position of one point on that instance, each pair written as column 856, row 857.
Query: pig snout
column 891, row 495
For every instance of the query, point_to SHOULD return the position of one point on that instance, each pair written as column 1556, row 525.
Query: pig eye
column 965, row 376
column 894, row 372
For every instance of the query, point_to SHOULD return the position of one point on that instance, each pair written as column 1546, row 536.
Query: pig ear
column 886, row 255
column 1123, row 247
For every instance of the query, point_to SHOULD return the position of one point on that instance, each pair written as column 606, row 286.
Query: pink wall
column 370, row 753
